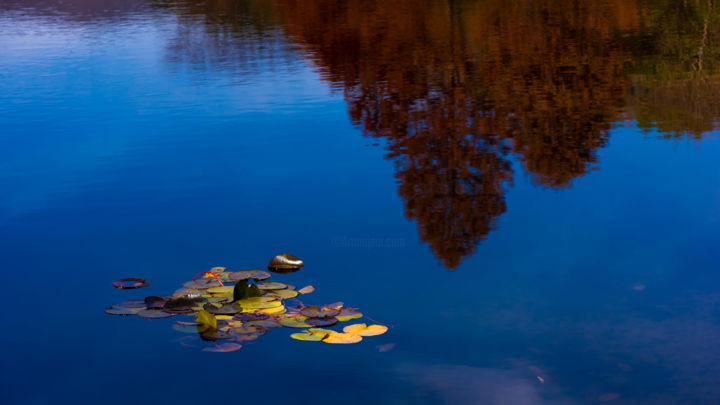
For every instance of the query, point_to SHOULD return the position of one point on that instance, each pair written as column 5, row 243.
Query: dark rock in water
column 285, row 263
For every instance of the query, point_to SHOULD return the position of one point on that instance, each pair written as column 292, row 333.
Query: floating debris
column 285, row 263
column 245, row 310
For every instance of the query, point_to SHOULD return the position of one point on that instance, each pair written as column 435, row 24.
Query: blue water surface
column 119, row 158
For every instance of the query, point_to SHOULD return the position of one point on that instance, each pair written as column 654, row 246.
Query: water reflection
column 456, row 87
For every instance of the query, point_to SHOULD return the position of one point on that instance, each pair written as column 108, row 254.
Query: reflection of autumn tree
column 453, row 85
column 676, row 86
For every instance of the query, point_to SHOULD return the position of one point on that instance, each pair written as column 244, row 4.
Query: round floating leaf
column 223, row 317
column 223, row 348
column 362, row 329
column 321, row 321
column 258, row 302
column 132, row 304
column 285, row 263
column 122, row 311
column 306, row 290
column 207, row 319
column 341, row 338
column 186, row 323
column 220, row 299
column 267, row 323
column 308, row 337
column 313, row 311
column 279, row 310
column 224, row 289
column 217, row 270
column 347, row 314
column 201, row 284
column 295, row 322
column 256, row 275
column 284, row 294
column 153, row 314
column 130, row 283
column 272, row 285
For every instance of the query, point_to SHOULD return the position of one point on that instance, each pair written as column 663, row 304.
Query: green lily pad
column 272, row 285
column 256, row 275
column 284, row 294
column 295, row 322
column 258, row 302
column 308, row 337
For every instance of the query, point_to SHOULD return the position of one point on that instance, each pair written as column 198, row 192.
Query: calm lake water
column 527, row 193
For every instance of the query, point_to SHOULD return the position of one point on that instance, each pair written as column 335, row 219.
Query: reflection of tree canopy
column 454, row 86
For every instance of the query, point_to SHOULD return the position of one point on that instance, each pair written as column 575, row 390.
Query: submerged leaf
column 362, row 329
column 153, row 314
column 122, row 311
column 223, row 348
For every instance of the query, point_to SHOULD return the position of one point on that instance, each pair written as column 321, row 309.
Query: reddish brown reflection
column 455, row 87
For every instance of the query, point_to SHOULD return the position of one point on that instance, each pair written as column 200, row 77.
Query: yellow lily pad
column 258, row 302
column 224, row 289
column 348, row 314
column 284, row 294
column 362, row 329
column 295, row 322
column 341, row 338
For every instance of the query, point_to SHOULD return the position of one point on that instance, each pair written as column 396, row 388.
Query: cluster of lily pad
column 237, row 306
